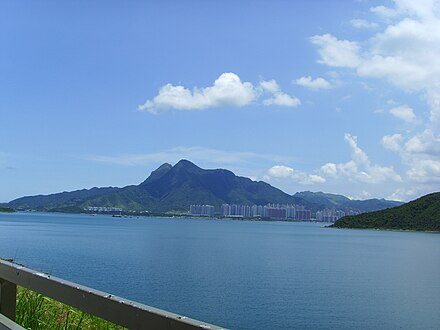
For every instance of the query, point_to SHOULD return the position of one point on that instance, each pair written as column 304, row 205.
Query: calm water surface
column 238, row 274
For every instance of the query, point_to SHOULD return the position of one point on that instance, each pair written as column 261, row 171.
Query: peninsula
column 422, row 214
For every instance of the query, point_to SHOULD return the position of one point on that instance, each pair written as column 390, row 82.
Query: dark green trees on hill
column 422, row 214
column 6, row 210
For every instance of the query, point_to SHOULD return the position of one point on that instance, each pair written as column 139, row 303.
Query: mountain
column 422, row 214
column 342, row 202
column 64, row 199
column 175, row 188
column 168, row 188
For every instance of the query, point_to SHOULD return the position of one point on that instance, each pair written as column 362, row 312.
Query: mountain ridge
column 175, row 188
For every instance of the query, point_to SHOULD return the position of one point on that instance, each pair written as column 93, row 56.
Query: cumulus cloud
column 384, row 12
column 404, row 112
column 392, row 142
column 335, row 52
column 330, row 170
column 359, row 168
column 404, row 53
column 270, row 86
column 282, row 99
column 227, row 90
column 278, row 97
column 285, row 172
column 315, row 84
column 281, row 171
column 425, row 171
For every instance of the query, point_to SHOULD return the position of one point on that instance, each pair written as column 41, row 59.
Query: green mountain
column 60, row 200
column 175, row 188
column 169, row 188
column 421, row 214
column 342, row 202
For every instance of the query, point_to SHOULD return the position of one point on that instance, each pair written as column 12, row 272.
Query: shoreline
column 388, row 229
column 172, row 216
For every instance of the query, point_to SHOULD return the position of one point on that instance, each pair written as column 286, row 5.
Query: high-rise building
column 205, row 210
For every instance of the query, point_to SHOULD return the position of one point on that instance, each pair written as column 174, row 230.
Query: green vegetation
column 6, row 210
column 35, row 311
column 422, row 214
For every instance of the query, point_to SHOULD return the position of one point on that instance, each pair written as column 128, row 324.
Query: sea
column 240, row 274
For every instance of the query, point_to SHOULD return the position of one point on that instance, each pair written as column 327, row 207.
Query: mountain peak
column 185, row 163
column 164, row 166
column 158, row 173
column 187, row 166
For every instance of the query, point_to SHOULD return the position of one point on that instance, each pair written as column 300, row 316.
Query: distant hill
column 169, row 188
column 422, row 214
column 342, row 202
column 175, row 188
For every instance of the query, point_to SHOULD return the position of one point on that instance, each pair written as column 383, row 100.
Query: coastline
column 387, row 229
column 171, row 216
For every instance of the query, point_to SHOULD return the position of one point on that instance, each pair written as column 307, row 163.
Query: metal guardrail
column 115, row 309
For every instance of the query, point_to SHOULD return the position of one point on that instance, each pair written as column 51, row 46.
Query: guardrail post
column 8, row 299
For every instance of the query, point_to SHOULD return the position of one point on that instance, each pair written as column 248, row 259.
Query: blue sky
column 334, row 96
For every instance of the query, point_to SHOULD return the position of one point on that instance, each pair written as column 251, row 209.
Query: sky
column 334, row 96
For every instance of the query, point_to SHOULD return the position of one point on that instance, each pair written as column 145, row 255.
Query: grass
column 35, row 311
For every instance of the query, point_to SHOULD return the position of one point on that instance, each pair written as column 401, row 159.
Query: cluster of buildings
column 203, row 210
column 273, row 211
column 103, row 209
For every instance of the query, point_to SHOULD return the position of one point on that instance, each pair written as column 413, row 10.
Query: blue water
column 238, row 274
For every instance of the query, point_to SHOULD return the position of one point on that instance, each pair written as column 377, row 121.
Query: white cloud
column 270, row 86
column 281, row 171
column 282, row 99
column 404, row 112
column 392, row 142
column 278, row 97
column 425, row 171
column 384, row 12
column 285, row 172
column 227, row 90
column 404, row 53
column 335, row 52
column 359, row 168
column 313, row 178
column 426, row 142
column 363, row 24
column 329, row 170
column 315, row 84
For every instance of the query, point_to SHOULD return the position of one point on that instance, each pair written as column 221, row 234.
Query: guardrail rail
column 123, row 312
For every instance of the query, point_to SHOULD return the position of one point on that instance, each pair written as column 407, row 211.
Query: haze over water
column 239, row 274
